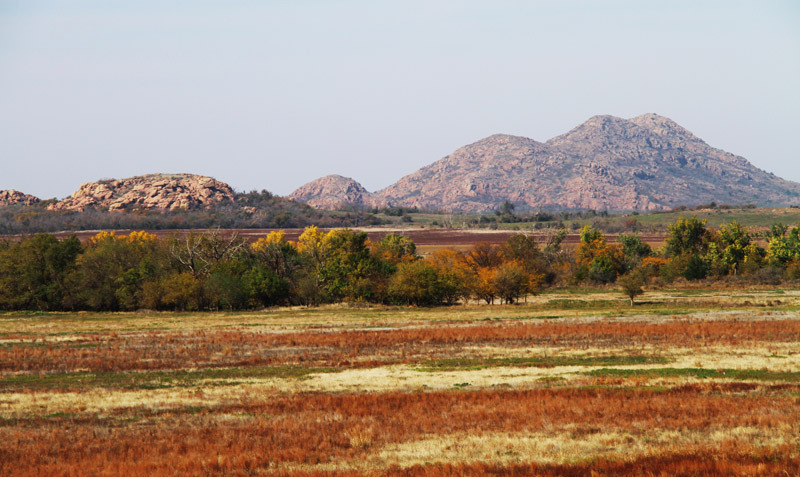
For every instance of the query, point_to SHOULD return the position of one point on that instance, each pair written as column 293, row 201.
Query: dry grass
column 341, row 430
column 673, row 389
column 222, row 348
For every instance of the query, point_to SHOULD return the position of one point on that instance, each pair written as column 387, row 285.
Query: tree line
column 208, row 271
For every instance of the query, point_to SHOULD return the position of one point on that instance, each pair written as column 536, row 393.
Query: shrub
column 696, row 268
column 768, row 276
column 602, row 270
column 631, row 284
column 793, row 270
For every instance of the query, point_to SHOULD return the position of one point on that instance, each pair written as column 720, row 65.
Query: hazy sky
column 272, row 94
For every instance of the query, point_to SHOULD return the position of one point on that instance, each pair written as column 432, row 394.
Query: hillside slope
column 335, row 192
column 648, row 162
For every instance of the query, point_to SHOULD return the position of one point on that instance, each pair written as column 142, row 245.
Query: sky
column 273, row 94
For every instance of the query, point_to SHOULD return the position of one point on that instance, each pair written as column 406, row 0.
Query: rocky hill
column 644, row 163
column 14, row 197
column 152, row 191
column 335, row 192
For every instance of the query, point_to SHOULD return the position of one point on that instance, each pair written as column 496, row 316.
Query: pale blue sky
column 274, row 94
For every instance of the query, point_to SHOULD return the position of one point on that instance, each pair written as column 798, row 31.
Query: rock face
column 335, row 192
column 14, row 197
column 152, row 191
column 644, row 163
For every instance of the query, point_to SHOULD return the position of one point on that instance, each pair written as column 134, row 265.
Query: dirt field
column 696, row 382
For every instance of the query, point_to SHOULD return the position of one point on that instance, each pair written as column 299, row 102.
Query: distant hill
column 163, row 201
column 335, row 192
column 644, row 163
column 15, row 197
column 151, row 191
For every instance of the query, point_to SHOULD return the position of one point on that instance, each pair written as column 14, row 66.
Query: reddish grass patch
column 359, row 348
column 316, row 428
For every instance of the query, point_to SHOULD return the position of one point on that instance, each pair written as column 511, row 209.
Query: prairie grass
column 694, row 382
column 702, row 373
column 149, row 379
column 340, row 429
column 540, row 362
column 233, row 348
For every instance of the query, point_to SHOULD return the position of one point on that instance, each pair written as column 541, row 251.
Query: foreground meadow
column 697, row 382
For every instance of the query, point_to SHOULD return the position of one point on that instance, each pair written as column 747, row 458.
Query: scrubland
column 697, row 382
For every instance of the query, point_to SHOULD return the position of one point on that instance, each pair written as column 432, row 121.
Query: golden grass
column 566, row 447
column 559, row 447
column 383, row 411
column 781, row 357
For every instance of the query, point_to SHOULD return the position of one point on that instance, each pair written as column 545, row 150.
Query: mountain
column 478, row 177
column 14, row 197
column 152, row 191
column 648, row 162
column 335, row 192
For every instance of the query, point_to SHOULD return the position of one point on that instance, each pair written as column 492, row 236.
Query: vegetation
column 646, row 223
column 676, row 388
column 209, row 271
column 631, row 285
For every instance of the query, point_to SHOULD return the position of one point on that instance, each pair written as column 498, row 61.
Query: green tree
column 349, row 267
column 33, row 273
column 225, row 286
column 589, row 234
column 394, row 248
column 265, row 287
column 113, row 269
column 687, row 236
column 632, row 285
column 602, row 269
column 416, row 283
column 776, row 230
column 783, row 249
column 696, row 268
column 735, row 242
column 634, row 249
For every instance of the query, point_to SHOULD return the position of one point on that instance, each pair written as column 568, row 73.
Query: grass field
column 759, row 219
column 574, row 382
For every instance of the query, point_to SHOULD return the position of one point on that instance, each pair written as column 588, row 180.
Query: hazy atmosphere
column 274, row 94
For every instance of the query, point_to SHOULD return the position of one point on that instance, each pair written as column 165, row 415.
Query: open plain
column 688, row 382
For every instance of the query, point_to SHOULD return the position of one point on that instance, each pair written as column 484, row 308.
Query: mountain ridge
column 648, row 162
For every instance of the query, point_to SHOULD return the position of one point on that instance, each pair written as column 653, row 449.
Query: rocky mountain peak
column 600, row 129
column 663, row 126
column 334, row 192
column 14, row 197
column 151, row 191
column 648, row 162
column 503, row 139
